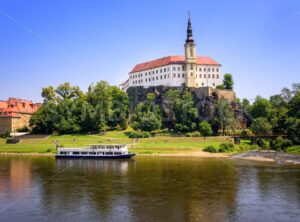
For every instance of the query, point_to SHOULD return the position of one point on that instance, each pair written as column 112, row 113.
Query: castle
column 15, row 114
column 190, row 70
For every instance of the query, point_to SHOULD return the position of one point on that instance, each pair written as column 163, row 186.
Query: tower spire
column 189, row 36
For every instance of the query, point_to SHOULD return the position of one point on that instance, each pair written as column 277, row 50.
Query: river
column 36, row 188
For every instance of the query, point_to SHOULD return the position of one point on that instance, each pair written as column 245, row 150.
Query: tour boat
column 101, row 151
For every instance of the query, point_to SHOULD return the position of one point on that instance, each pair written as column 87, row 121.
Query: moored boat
column 99, row 151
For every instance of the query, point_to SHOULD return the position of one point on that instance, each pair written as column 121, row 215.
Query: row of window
column 174, row 69
column 175, row 76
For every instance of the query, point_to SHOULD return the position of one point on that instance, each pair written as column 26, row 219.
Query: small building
column 15, row 114
column 189, row 70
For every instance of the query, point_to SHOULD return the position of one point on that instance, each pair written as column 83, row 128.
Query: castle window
column 168, row 75
column 153, row 78
column 168, row 68
column 209, row 76
column 156, row 77
column 183, row 68
column 214, row 84
column 217, row 70
column 204, row 69
column 182, row 75
column 200, row 69
column 208, row 69
column 156, row 71
column 145, row 80
column 165, row 76
column 178, row 75
column 213, row 76
column 213, row 69
column 191, row 74
column 174, row 68
column 204, row 76
column 217, row 76
column 200, row 76
column 165, row 69
column 150, row 79
column 174, row 75
column 160, row 70
column 178, row 68
column 192, row 67
column 160, row 76
column 202, row 84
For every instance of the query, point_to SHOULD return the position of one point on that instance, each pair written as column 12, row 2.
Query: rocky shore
column 269, row 155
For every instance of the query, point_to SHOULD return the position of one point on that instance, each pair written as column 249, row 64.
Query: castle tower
column 190, row 57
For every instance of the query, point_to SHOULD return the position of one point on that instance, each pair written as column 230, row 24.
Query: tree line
column 66, row 109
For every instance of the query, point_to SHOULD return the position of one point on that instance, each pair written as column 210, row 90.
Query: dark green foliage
column 261, row 143
column 261, row 125
column 226, row 147
column 136, row 134
column 228, row 81
column 220, row 87
column 67, row 109
column 281, row 144
column 205, row 128
column 184, row 115
column 293, row 130
column 23, row 129
column 147, row 116
column 5, row 135
column 224, row 118
column 211, row 149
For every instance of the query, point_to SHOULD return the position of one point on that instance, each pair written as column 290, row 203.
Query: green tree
column 293, row 129
column 261, row 125
column 185, row 113
column 294, row 106
column 205, row 128
column 146, row 117
column 224, row 117
column 264, row 108
column 228, row 81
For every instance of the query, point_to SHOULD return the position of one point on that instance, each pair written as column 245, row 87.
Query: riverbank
column 268, row 155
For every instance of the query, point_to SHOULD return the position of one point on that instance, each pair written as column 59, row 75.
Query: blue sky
column 49, row 42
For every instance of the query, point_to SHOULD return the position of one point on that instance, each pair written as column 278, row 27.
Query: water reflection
column 148, row 189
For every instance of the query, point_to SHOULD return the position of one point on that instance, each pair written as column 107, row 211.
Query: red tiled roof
column 13, row 107
column 201, row 60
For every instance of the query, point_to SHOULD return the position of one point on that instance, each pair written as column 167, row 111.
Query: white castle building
column 189, row 70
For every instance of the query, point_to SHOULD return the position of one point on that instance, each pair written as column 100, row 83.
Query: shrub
column 226, row 147
column 23, row 129
column 5, row 135
column 244, row 133
column 136, row 134
column 193, row 134
column 281, row 144
column 48, row 150
column 261, row 143
column 211, row 149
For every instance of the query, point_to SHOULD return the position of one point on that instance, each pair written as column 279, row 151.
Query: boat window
column 62, row 152
column 75, row 153
column 92, row 153
column 109, row 153
column 84, row 153
column 118, row 153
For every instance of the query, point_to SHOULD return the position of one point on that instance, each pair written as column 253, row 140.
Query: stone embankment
column 269, row 155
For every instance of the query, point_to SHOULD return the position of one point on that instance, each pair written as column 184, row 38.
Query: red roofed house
column 15, row 114
column 189, row 70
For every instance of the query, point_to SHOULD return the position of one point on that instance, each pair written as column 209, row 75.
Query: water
column 147, row 189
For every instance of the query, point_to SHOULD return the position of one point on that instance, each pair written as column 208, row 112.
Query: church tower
column 190, row 57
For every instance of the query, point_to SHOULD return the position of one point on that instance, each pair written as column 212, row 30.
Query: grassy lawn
column 293, row 150
column 154, row 145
